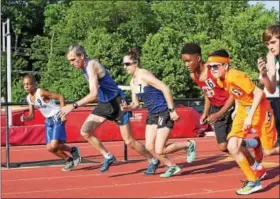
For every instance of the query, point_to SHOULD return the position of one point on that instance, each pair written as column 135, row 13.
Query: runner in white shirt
column 55, row 126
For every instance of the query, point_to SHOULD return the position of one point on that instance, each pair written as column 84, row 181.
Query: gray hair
column 78, row 49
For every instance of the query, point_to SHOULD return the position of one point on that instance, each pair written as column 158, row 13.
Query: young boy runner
column 55, row 126
column 253, row 112
column 218, row 106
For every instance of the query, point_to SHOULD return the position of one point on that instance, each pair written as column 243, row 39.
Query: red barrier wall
column 33, row 132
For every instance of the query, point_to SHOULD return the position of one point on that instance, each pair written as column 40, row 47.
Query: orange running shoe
column 258, row 151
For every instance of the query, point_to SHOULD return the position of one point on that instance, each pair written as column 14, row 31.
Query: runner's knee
column 150, row 148
column 52, row 147
column 232, row 147
column 87, row 129
column 159, row 151
column 129, row 142
column 223, row 147
column 85, row 135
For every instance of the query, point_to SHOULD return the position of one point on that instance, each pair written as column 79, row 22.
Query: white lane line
column 178, row 157
column 196, row 193
column 122, row 185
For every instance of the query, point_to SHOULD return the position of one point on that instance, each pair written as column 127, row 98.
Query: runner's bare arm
column 50, row 95
column 30, row 115
column 93, row 84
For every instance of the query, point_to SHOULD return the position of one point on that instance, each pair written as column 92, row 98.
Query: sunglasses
column 214, row 66
column 128, row 63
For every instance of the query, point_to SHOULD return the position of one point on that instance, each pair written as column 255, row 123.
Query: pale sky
column 268, row 4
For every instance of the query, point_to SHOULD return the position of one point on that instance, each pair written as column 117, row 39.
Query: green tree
column 42, row 31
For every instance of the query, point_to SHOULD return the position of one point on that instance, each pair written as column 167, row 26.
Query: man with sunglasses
column 110, row 98
column 253, row 112
column 218, row 105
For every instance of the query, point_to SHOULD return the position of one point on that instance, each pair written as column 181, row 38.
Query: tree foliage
column 42, row 31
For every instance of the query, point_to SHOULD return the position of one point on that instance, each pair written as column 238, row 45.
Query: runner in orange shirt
column 218, row 106
column 252, row 113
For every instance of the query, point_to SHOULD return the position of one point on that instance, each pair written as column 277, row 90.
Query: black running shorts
column 112, row 111
column 161, row 119
column 223, row 126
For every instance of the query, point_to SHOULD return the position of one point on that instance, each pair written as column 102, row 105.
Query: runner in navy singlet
column 103, row 88
column 161, row 113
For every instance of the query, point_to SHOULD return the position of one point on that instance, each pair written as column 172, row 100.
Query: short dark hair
column 221, row 53
column 191, row 48
column 31, row 77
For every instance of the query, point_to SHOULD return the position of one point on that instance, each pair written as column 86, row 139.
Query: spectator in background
column 269, row 70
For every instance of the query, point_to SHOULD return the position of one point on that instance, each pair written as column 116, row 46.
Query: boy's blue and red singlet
column 217, row 95
column 153, row 99
column 108, row 88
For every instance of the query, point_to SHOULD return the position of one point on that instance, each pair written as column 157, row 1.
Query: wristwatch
column 170, row 110
column 75, row 105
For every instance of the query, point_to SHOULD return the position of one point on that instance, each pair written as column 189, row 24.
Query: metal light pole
column 6, row 35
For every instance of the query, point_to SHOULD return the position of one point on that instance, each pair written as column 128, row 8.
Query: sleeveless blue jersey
column 108, row 88
column 153, row 99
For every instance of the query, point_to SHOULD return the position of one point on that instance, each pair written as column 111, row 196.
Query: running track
column 212, row 175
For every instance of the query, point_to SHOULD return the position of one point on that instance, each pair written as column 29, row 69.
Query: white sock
column 108, row 156
column 256, row 166
column 154, row 161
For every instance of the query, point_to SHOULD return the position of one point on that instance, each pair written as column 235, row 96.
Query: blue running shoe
column 191, row 151
column 107, row 163
column 151, row 170
column 75, row 152
column 69, row 165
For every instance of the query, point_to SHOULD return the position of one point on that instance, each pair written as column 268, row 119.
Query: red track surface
column 212, row 175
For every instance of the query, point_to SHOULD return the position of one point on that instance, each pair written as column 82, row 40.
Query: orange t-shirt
column 239, row 85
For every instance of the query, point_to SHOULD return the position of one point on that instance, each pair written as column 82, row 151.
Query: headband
column 218, row 59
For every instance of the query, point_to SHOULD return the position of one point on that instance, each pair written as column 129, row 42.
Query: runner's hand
column 213, row 118
column 247, row 124
column 63, row 119
column 262, row 67
column 203, row 119
column 174, row 116
column 124, row 106
column 65, row 110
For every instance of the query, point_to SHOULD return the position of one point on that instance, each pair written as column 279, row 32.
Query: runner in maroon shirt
column 218, row 106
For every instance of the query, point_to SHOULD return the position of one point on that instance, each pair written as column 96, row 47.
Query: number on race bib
column 210, row 83
column 236, row 92
column 140, row 88
column 160, row 121
column 268, row 116
column 208, row 91
column 40, row 102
